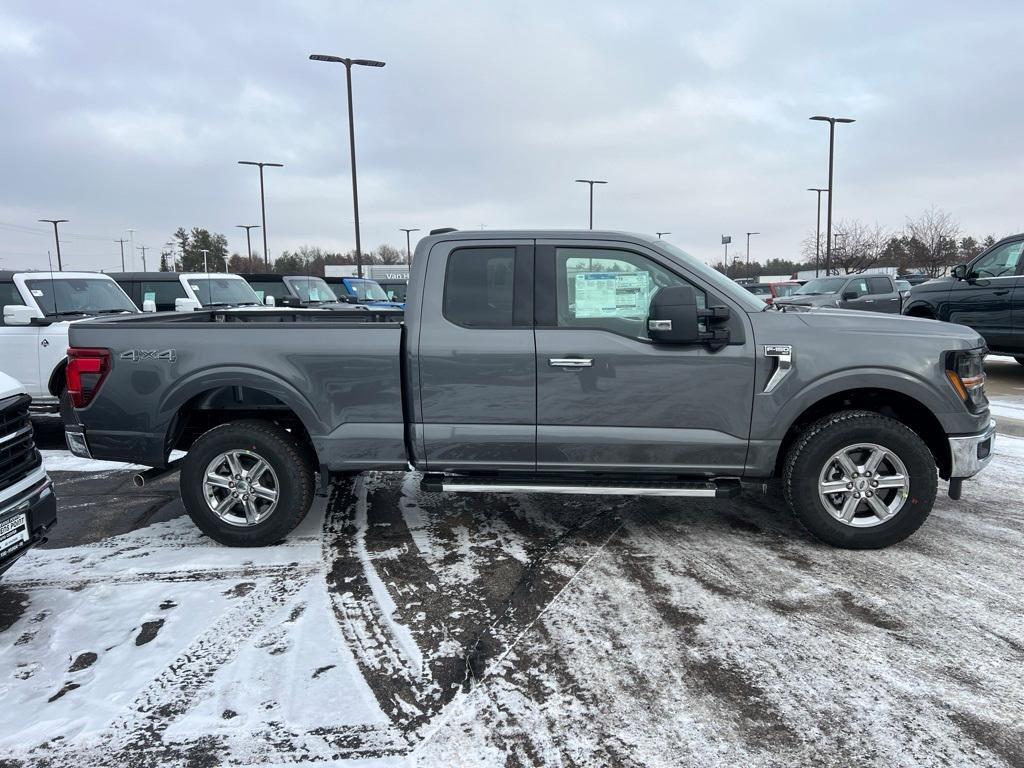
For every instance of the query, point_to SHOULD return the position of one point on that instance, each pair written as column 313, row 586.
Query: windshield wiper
column 111, row 311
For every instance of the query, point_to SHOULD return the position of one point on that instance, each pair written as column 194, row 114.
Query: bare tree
column 857, row 246
column 935, row 232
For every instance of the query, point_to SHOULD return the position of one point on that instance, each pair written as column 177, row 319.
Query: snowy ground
column 402, row 628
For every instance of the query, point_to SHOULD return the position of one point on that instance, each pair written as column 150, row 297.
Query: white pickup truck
column 38, row 308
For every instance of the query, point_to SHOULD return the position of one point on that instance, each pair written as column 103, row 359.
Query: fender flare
column 921, row 304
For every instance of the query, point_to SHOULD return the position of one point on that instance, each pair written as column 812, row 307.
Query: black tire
column 821, row 440
column 292, row 469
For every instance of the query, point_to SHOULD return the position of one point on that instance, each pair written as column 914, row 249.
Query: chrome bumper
column 971, row 453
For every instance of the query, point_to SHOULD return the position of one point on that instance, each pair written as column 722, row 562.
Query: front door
column 476, row 368
column 608, row 399
column 857, row 290
column 984, row 300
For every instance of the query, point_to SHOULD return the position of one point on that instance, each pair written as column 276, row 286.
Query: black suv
column 987, row 295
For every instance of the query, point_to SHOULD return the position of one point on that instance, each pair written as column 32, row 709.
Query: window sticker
column 37, row 293
column 612, row 294
column 149, row 296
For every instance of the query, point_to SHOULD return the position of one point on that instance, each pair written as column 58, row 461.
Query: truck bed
column 340, row 376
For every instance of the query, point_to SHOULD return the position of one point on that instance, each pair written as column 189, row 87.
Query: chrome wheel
column 863, row 485
column 241, row 488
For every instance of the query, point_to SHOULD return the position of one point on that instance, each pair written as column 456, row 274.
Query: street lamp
column 55, row 222
column 748, row 245
column 263, row 205
column 591, row 182
column 205, row 252
column 817, row 231
column 831, row 151
column 351, row 136
column 408, row 246
column 726, row 239
column 248, row 242
column 659, row 234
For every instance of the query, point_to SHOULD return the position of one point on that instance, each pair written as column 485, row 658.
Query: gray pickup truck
column 533, row 361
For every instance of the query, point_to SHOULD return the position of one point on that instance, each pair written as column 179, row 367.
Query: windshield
column 395, row 291
column 366, row 290
column 218, row 291
column 79, row 296
column 715, row 279
column 311, row 289
column 820, row 286
column 786, row 289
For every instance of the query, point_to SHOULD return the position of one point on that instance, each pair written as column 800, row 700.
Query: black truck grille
column 18, row 454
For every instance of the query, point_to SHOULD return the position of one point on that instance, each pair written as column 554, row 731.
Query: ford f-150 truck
column 543, row 361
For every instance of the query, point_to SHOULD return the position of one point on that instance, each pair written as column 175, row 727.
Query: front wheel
column 859, row 480
column 247, row 483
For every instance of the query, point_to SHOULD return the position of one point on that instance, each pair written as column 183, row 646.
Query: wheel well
column 58, row 378
column 886, row 402
column 222, row 405
column 921, row 311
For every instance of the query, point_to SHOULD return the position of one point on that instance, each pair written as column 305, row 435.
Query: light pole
column 206, row 267
column 263, row 204
column 131, row 245
column 173, row 265
column 351, row 137
column 248, row 242
column 591, row 182
column 55, row 222
column 144, row 248
column 659, row 234
column 748, row 245
column 831, row 151
column 408, row 246
column 817, row 230
column 726, row 239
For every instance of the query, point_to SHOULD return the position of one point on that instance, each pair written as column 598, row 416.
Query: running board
column 710, row 489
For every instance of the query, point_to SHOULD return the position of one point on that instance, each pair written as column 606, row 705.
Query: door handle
column 869, row 301
column 893, row 299
column 1002, row 292
column 570, row 362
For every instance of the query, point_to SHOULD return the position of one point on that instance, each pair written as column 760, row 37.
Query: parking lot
column 397, row 626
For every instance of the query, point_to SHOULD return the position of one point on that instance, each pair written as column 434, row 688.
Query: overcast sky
column 133, row 114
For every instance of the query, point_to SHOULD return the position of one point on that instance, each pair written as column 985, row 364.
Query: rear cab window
column 877, row 285
column 163, row 293
column 479, row 287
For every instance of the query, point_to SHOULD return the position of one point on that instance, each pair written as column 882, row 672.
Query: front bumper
column 39, row 505
column 970, row 453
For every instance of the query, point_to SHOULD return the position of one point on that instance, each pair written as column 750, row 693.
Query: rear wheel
column 859, row 480
column 247, row 483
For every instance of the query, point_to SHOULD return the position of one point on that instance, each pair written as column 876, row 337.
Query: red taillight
column 85, row 373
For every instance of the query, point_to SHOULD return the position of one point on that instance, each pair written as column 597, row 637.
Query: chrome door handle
column 893, row 299
column 570, row 362
column 869, row 301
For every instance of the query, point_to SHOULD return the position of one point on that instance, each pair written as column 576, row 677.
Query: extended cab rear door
column 477, row 358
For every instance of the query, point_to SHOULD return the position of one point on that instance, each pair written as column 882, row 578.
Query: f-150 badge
column 135, row 355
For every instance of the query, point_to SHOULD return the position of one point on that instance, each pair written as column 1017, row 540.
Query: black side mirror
column 673, row 316
column 847, row 295
column 960, row 271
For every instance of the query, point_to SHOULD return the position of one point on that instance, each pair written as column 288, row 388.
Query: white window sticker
column 612, row 294
column 37, row 293
column 149, row 296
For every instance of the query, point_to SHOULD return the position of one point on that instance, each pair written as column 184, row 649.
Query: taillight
column 85, row 373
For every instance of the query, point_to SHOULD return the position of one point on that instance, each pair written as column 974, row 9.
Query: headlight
column 965, row 370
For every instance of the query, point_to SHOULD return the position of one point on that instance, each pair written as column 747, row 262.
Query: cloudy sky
column 133, row 114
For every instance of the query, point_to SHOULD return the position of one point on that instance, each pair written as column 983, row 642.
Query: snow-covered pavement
column 397, row 627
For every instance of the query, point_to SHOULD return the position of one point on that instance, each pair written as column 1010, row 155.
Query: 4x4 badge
column 135, row 355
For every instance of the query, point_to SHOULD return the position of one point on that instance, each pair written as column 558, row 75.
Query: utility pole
column 408, row 246
column 591, row 182
column 55, row 222
column 248, row 242
column 831, row 152
column 143, row 248
column 121, row 242
column 748, row 245
column 263, row 205
column 659, row 234
column 206, row 267
column 349, row 63
column 817, row 230
column 131, row 245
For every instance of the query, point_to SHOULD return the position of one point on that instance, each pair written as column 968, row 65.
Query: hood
column 9, row 386
column 935, row 285
column 810, row 300
column 856, row 321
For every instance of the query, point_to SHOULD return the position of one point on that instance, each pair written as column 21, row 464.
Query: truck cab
column 363, row 291
column 38, row 308
column 183, row 291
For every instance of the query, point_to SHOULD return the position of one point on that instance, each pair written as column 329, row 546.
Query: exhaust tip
column 138, row 480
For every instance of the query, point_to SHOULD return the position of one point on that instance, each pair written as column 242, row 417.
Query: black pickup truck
column 560, row 362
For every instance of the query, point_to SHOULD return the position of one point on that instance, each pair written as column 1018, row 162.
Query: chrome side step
column 723, row 488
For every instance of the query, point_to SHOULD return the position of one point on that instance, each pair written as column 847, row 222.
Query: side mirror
column 673, row 316
column 960, row 271
column 270, row 301
column 848, row 295
column 290, row 301
column 19, row 314
column 186, row 305
column 149, row 305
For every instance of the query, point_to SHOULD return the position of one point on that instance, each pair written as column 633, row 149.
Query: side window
column 858, row 286
column 609, row 289
column 274, row 288
column 879, row 285
column 1002, row 262
column 479, row 287
column 163, row 292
